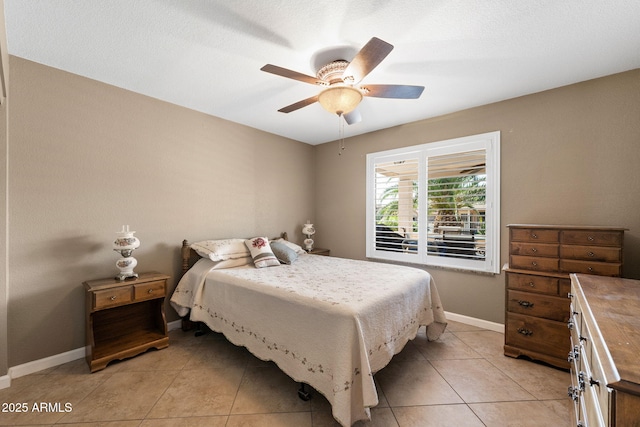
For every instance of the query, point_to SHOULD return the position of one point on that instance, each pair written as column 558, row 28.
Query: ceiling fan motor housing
column 332, row 72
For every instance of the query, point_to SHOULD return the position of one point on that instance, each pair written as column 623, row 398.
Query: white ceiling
column 206, row 54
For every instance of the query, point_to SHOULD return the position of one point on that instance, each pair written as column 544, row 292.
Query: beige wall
column 569, row 156
column 86, row 158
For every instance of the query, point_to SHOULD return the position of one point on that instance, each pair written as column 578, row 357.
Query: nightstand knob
column 150, row 291
column 113, row 298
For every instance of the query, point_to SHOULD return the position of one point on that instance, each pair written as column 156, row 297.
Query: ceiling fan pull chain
column 341, row 146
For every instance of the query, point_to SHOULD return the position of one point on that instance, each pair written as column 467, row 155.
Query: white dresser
column 605, row 351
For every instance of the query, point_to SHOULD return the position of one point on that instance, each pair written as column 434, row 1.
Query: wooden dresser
column 537, row 283
column 605, row 346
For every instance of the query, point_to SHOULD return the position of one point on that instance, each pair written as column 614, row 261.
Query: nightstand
column 319, row 251
column 124, row 318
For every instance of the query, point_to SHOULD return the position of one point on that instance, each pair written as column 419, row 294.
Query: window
column 437, row 204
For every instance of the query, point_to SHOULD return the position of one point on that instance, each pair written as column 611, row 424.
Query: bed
column 328, row 322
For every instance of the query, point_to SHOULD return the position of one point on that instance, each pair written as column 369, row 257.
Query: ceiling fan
column 340, row 80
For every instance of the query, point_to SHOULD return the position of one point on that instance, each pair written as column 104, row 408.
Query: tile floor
column 461, row 380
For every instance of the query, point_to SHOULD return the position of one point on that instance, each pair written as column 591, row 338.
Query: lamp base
column 126, row 266
column 123, row 276
column 308, row 244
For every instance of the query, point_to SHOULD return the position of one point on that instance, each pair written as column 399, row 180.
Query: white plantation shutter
column 436, row 204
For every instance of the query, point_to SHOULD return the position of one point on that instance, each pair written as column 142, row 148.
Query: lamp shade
column 340, row 99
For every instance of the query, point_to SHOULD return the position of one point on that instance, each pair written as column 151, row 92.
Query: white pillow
column 261, row 252
column 221, row 250
column 292, row 245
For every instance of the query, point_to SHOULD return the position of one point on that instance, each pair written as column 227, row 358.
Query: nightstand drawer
column 145, row 291
column 111, row 297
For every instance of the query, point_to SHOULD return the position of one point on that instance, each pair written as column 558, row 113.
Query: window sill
column 433, row 267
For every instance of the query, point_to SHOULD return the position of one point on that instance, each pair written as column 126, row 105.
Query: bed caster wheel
column 303, row 393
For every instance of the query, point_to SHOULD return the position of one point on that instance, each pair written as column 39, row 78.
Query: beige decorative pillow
column 261, row 252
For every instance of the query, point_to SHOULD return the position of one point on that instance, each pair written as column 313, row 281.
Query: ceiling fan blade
column 367, row 59
column 299, row 104
column 290, row 74
column 353, row 117
column 393, row 91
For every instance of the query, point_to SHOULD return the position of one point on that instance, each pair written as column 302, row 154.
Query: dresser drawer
column 145, row 291
column 603, row 393
column 534, row 249
column 112, row 297
column 533, row 263
column 589, row 267
column 591, row 237
column 540, row 335
column 530, row 283
column 591, row 253
column 534, row 235
column 532, row 304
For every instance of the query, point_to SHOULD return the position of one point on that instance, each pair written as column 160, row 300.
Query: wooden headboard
column 189, row 256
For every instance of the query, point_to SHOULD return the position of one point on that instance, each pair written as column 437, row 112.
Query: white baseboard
column 46, row 363
column 176, row 324
column 55, row 360
column 485, row 324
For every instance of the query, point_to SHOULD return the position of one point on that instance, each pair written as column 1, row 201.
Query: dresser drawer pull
column 590, row 269
column 525, row 332
column 525, row 304
column 533, row 285
column 591, row 254
column 113, row 298
column 535, row 264
column 150, row 291
column 574, row 354
column 591, row 238
column 534, row 236
column 534, row 250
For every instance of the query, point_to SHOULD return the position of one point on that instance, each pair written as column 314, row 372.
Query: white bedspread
column 325, row 321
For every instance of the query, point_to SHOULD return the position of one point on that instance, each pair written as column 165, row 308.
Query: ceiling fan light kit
column 340, row 99
column 341, row 94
